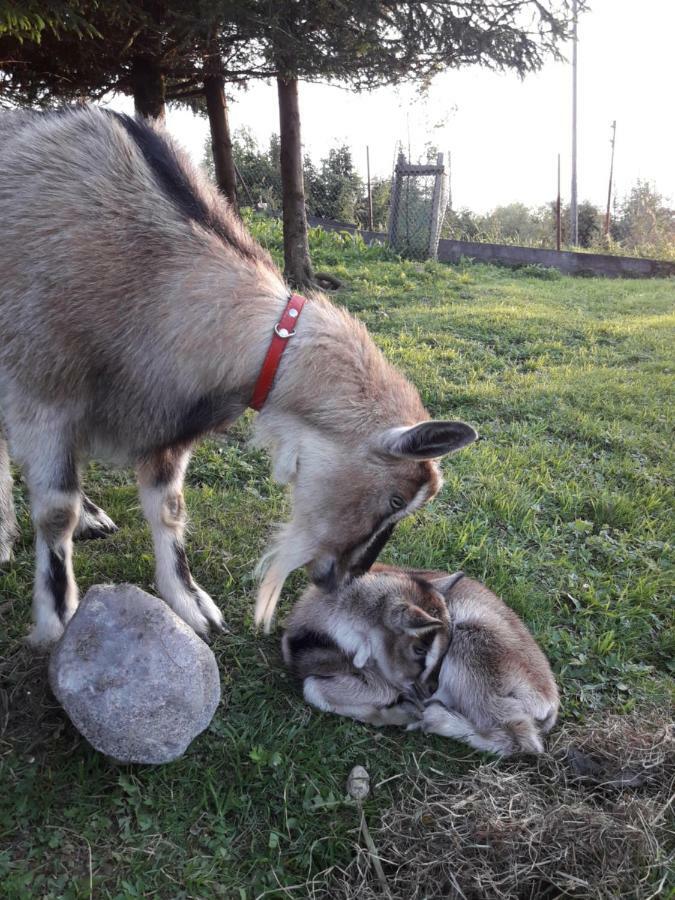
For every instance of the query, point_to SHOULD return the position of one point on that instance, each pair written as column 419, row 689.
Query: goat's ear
column 413, row 620
column 428, row 440
column 445, row 583
column 417, row 621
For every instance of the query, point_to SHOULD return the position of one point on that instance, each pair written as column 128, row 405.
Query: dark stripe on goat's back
column 176, row 184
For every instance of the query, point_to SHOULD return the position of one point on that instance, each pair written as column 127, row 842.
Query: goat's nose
column 323, row 573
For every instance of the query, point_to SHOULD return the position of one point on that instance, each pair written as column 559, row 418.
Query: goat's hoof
column 94, row 523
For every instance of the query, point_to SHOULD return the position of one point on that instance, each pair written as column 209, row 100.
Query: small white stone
column 293, row 313
column 358, row 783
column 283, row 333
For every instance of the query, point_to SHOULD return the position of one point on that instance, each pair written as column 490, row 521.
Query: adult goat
column 136, row 313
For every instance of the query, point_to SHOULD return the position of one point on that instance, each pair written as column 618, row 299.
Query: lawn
column 564, row 507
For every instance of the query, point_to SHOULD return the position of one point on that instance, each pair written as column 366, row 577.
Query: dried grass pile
column 593, row 818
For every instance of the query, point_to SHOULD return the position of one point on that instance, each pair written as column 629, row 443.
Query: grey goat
column 135, row 314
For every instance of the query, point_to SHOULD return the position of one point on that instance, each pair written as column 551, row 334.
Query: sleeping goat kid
column 135, row 316
column 424, row 649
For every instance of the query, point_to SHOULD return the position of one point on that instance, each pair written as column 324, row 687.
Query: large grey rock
column 135, row 680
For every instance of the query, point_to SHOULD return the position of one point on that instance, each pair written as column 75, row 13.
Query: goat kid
column 427, row 650
column 135, row 314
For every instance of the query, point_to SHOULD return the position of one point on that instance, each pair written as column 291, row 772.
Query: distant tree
column 589, row 223
column 513, row 223
column 380, row 190
column 259, row 170
column 645, row 220
column 461, row 224
column 337, row 188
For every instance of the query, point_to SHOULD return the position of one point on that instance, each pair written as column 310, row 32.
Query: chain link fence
column 419, row 198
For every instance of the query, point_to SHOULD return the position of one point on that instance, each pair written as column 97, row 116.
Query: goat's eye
column 420, row 650
column 396, row 501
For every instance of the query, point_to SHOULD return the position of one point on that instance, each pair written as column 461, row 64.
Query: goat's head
column 348, row 498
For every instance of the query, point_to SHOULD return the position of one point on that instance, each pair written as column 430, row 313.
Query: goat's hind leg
column 370, row 700
column 160, row 480
column 438, row 719
column 93, row 523
column 8, row 526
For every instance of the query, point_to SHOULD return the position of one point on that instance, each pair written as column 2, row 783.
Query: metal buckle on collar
column 283, row 333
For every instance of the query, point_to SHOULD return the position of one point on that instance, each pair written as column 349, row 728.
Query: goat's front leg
column 160, row 480
column 55, row 505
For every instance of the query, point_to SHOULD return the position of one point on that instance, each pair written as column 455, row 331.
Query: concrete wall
column 504, row 254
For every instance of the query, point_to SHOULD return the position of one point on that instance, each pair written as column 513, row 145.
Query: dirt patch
column 30, row 717
column 591, row 819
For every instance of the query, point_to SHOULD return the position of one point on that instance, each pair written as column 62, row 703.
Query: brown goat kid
column 427, row 650
column 135, row 314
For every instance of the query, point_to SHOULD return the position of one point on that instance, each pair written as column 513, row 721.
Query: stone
column 358, row 783
column 134, row 679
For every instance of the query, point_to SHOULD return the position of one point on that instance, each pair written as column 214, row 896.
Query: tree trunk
column 297, row 263
column 221, row 142
column 149, row 87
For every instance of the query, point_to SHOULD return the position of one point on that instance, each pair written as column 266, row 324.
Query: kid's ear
column 445, row 583
column 413, row 620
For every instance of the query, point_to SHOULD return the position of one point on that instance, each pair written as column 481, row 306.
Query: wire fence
column 419, row 197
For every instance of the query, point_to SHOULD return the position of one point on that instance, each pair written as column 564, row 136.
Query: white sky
column 505, row 133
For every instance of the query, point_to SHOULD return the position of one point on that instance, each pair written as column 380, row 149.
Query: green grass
column 563, row 507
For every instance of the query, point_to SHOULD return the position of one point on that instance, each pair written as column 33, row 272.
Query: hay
column 592, row 818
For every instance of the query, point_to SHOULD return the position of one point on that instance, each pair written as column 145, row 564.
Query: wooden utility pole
column 574, row 215
column 611, row 176
column 370, row 195
column 558, row 223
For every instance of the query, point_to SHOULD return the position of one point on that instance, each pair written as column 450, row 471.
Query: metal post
column 370, row 195
column 450, row 180
column 434, row 229
column 395, row 200
column 558, row 223
column 574, row 215
column 611, row 176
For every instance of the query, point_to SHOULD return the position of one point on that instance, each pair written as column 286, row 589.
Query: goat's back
column 494, row 669
column 120, row 269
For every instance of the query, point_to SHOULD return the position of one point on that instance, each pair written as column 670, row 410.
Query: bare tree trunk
column 149, row 87
column 297, row 262
column 221, row 142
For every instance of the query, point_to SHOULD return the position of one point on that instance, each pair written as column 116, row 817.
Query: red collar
column 283, row 330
